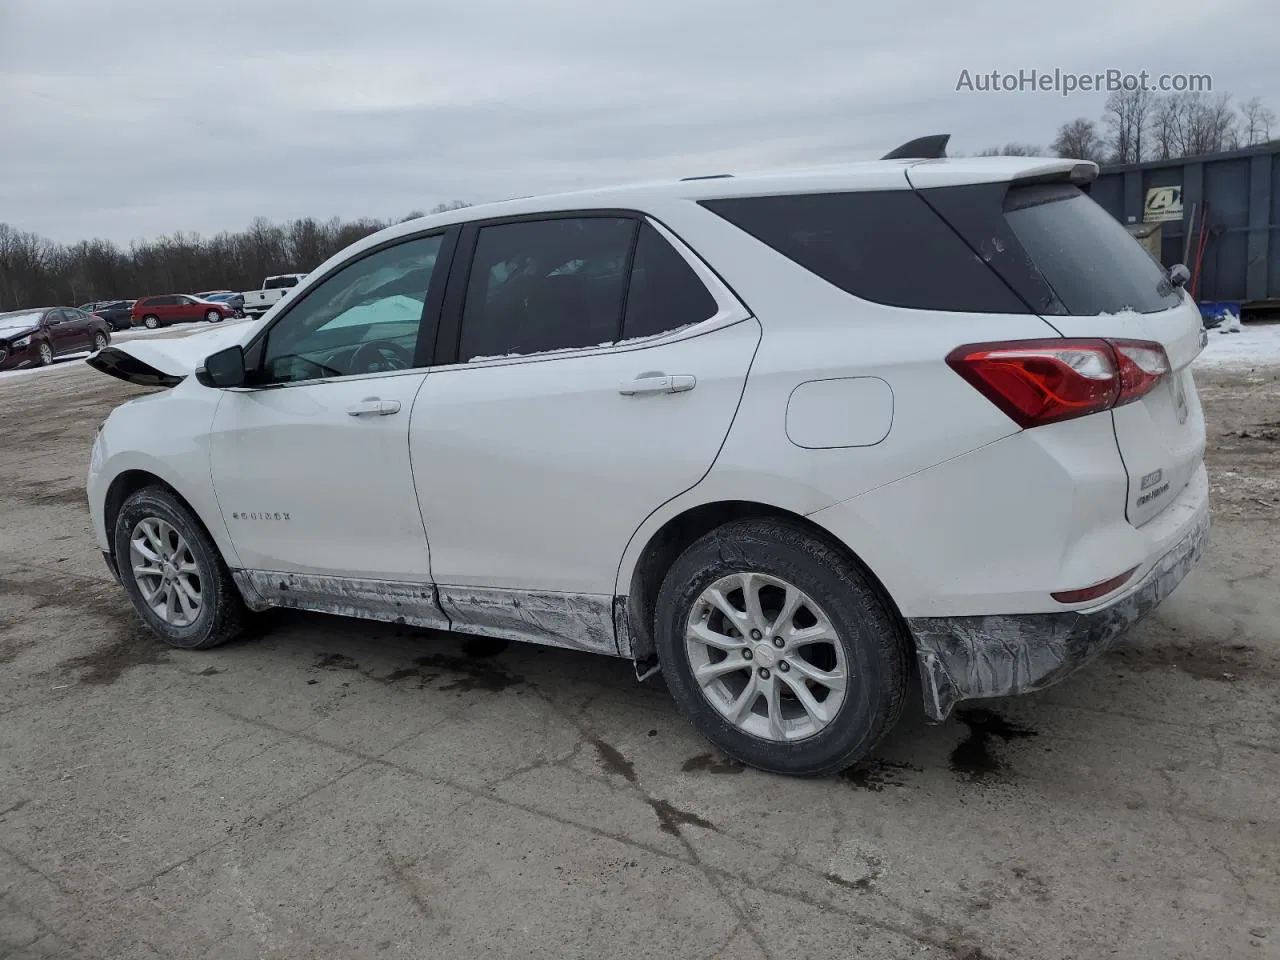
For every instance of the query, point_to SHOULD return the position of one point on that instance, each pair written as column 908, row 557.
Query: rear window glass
column 885, row 246
column 1091, row 262
column 665, row 293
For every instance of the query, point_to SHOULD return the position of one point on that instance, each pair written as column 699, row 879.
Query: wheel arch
column 130, row 481
column 644, row 578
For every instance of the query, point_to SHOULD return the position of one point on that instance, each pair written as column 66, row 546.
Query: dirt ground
column 335, row 789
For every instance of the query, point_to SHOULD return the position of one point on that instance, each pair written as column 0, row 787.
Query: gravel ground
column 336, row 789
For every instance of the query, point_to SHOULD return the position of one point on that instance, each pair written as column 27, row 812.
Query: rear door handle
column 657, row 383
column 373, row 407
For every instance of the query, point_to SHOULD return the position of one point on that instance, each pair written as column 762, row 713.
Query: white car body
column 273, row 290
column 530, row 496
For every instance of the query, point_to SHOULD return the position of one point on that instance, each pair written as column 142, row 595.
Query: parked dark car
column 153, row 312
column 117, row 313
column 30, row 338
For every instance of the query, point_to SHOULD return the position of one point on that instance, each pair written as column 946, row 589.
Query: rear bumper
column 965, row 658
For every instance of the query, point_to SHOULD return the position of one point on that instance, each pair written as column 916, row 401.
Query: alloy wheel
column 766, row 657
column 46, row 354
column 166, row 572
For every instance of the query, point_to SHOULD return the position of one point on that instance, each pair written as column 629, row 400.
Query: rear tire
column 831, row 675
column 173, row 573
column 99, row 342
column 151, row 321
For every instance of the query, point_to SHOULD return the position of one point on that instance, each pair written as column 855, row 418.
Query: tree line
column 1139, row 125
column 1136, row 125
column 35, row 271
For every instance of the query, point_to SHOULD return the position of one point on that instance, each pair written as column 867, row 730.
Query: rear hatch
column 1081, row 271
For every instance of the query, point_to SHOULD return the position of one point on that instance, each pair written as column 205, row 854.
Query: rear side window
column 665, row 293
column 885, row 246
column 1091, row 262
column 544, row 285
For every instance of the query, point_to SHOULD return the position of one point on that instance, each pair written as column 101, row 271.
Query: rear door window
column 665, row 293
column 543, row 285
column 1091, row 262
column 886, row 246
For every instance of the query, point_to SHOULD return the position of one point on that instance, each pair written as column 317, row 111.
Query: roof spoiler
column 922, row 148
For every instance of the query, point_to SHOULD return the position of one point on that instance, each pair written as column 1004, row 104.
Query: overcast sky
column 133, row 118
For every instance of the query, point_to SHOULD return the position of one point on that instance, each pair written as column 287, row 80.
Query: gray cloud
column 139, row 117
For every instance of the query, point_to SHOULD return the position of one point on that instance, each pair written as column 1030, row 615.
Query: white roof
column 866, row 175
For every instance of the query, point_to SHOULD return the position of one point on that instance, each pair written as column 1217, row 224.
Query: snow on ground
column 1255, row 345
column 175, row 332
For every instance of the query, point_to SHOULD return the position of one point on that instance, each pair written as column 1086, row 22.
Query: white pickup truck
column 274, row 289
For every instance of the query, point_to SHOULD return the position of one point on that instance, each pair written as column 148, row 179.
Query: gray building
column 1219, row 214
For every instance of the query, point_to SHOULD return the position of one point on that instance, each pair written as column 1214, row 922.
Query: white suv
column 780, row 436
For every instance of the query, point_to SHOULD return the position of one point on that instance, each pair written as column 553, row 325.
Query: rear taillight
column 1044, row 381
column 1142, row 366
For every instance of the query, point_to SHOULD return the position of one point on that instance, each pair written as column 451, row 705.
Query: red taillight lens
column 1036, row 382
column 1142, row 365
column 1092, row 593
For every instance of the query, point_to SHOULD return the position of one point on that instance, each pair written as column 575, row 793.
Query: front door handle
column 373, row 407
column 657, row 383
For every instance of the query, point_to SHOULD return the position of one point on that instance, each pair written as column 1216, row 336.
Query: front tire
column 173, row 573
column 213, row 316
column 779, row 650
column 150, row 321
column 46, row 353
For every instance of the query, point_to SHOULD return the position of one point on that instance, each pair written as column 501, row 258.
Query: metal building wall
column 1242, row 188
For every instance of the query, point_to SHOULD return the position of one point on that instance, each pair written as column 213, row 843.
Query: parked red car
column 30, row 338
column 154, row 312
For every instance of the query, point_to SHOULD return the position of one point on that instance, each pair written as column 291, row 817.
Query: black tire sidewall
column 46, row 358
column 153, row 502
column 150, row 325
column 866, row 631
column 100, row 337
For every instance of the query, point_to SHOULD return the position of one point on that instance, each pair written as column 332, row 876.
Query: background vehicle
column 729, row 428
column 233, row 300
column 117, row 313
column 153, row 312
column 273, row 290
column 30, row 338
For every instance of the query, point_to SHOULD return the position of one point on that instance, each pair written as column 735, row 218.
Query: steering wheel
column 377, row 356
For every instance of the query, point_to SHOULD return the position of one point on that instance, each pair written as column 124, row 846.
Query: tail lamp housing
column 1036, row 382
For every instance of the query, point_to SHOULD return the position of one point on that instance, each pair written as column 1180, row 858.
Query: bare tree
column 35, row 272
column 1079, row 139
column 1192, row 124
column 1128, row 116
column 1256, row 121
column 450, row 205
column 1012, row 150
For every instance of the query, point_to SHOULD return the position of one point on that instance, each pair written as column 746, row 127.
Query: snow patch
column 1241, row 347
column 599, row 346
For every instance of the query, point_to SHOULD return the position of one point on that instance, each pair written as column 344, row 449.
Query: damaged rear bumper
column 966, row 658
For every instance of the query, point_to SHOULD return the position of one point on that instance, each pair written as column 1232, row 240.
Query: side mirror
column 223, row 369
column 1179, row 274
